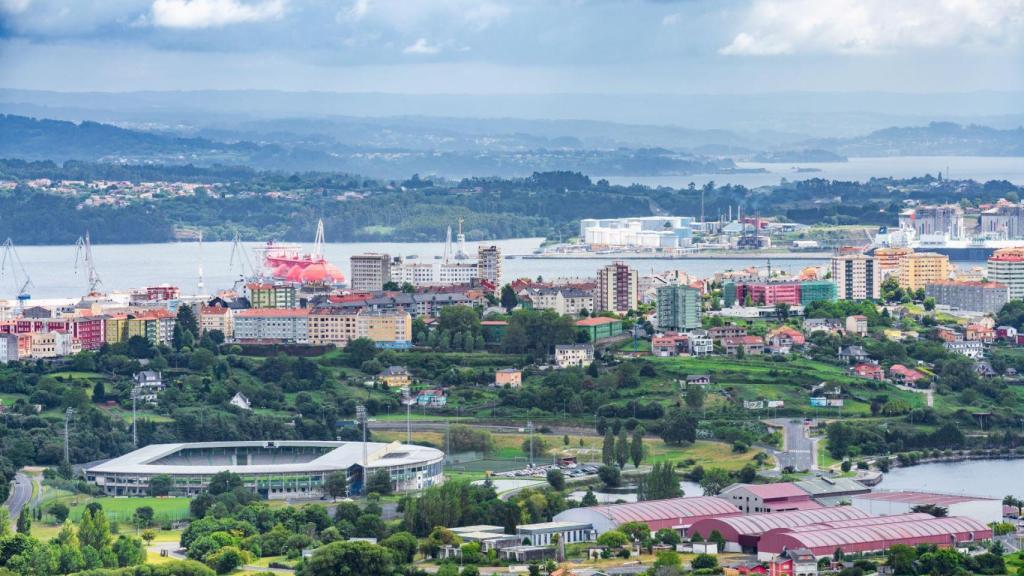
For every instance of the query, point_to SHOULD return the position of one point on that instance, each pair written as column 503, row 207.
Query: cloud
column 671, row 19
column 772, row 27
column 213, row 13
column 14, row 6
column 421, row 46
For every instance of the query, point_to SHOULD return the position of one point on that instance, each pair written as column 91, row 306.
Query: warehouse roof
column 770, row 491
column 670, row 508
column 920, row 498
column 822, row 486
column 753, row 524
column 882, row 534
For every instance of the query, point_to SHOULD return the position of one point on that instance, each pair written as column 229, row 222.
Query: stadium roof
column 754, row 524
column 341, row 457
column 920, row 498
column 877, row 536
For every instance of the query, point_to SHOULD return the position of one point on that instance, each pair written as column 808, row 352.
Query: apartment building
column 489, row 265
column 856, row 276
column 987, row 297
column 617, row 289
column 919, row 269
column 679, row 308
column 1006, row 266
column 270, row 325
column 216, row 318
column 369, row 272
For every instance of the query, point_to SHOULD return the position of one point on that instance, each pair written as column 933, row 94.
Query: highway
column 21, row 494
column 799, row 451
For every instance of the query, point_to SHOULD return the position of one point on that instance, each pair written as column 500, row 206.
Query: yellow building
column 922, row 268
column 889, row 260
column 116, row 328
column 216, row 318
column 332, row 325
column 388, row 328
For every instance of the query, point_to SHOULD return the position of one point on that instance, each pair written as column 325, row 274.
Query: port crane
column 245, row 268
column 19, row 275
column 83, row 255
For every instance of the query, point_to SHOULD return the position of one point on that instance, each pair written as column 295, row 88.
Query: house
column 870, row 371
column 148, row 384
column 853, row 354
column 947, row 334
column 857, row 324
column 395, row 377
column 827, row 325
column 794, row 562
column 727, row 331
column 567, row 355
column 1007, row 333
column 671, row 344
column 508, row 377
column 974, row 349
column 900, row 374
column 700, row 343
column 749, row 345
column 745, row 569
column 698, row 379
column 782, row 339
column 241, row 401
column 433, row 398
column 984, row 369
column 979, row 333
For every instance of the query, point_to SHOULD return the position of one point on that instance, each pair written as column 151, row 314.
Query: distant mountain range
column 396, row 147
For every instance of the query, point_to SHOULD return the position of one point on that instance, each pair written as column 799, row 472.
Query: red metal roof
column 671, row 509
column 597, row 321
column 878, row 536
column 869, row 521
column 775, row 491
column 754, row 524
column 919, row 498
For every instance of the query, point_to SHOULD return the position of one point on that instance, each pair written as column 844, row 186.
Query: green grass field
column 122, row 509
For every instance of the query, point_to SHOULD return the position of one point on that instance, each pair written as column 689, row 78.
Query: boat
column 286, row 262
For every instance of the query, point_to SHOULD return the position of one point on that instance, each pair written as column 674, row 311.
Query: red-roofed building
column 900, row 374
column 743, row 532
column 750, row 344
column 867, row 370
column 891, row 504
column 980, row 333
column 758, row 498
column 782, row 339
column 675, row 513
column 90, row 331
column 600, row 327
column 671, row 344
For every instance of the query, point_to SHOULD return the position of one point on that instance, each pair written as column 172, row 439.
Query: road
column 21, row 493
column 174, row 551
column 441, row 426
column 798, row 450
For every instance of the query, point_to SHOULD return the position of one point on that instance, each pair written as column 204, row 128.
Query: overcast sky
column 522, row 46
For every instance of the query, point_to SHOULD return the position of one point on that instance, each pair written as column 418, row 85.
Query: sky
column 515, row 47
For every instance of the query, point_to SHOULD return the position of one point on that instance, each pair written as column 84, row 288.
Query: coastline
column 744, row 255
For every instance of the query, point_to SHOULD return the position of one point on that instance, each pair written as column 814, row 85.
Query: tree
column 661, row 483
column 901, row 558
column 59, row 511
column 336, row 484
column 622, row 448
column 360, row 350
column 349, row 559
column 379, row 482
column 608, row 447
column 160, row 485
column 94, row 530
column 717, row 538
column 24, row 525
column 782, row 311
column 224, row 560
column 609, row 474
column 695, row 396
column 403, row 544
column 509, row 299
column 714, row 480
column 556, row 479
column 462, row 438
column 668, row 536
column 99, row 392
column 613, row 539
column 224, row 481
column 589, row 499
column 130, row 552
column 678, row 427
column 143, row 516
column 704, row 562
column 636, row 449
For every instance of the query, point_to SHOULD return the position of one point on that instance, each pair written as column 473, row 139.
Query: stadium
column 272, row 469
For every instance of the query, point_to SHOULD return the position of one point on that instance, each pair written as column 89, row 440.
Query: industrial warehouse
column 272, row 469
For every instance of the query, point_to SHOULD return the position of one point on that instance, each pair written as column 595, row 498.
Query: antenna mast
column 84, row 253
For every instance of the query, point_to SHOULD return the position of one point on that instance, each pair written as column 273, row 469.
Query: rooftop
column 597, row 321
column 919, row 498
column 273, row 313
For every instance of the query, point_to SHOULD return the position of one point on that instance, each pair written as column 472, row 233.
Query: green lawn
column 121, row 509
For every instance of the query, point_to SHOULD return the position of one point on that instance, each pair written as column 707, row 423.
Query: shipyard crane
column 19, row 275
column 239, row 254
column 83, row 256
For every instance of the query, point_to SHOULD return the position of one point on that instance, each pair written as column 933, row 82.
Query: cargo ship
column 286, row 262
